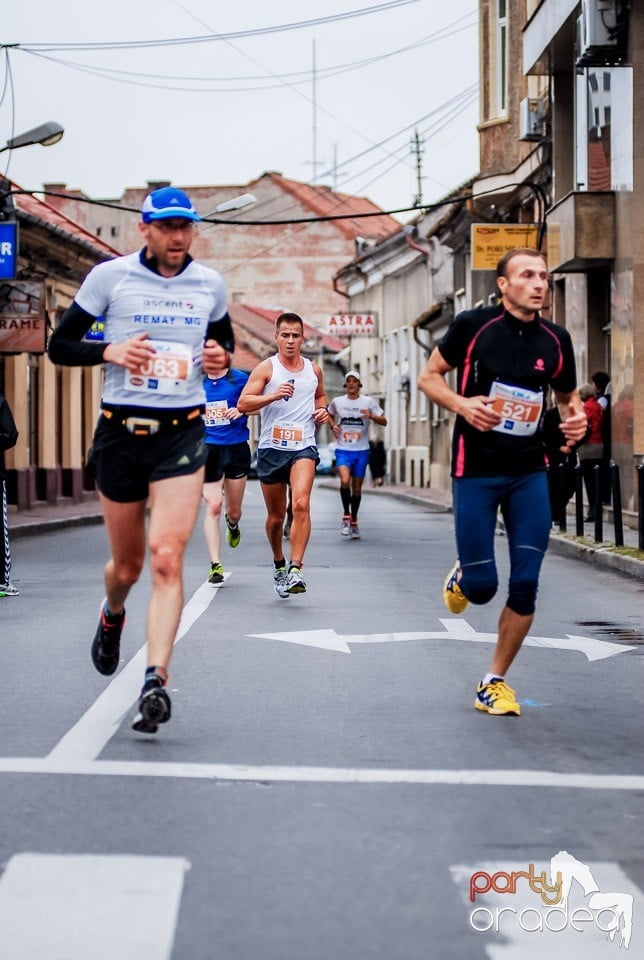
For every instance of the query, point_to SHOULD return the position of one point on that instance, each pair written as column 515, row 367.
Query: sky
column 224, row 110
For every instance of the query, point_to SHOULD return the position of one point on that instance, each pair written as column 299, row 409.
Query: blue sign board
column 8, row 249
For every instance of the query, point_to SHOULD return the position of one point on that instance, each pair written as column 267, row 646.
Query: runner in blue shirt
column 228, row 460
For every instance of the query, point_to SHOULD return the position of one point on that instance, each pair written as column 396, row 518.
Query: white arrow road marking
column 324, row 639
column 101, row 907
column 518, row 935
column 98, row 725
column 454, row 630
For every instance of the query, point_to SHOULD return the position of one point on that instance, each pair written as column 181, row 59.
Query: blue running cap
column 167, row 203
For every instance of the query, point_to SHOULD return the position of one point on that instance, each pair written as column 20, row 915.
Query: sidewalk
column 45, row 518
column 604, row 554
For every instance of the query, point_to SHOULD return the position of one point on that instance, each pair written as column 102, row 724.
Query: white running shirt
column 354, row 428
column 174, row 311
column 288, row 424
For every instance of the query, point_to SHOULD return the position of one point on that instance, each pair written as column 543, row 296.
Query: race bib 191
column 287, row 435
column 519, row 408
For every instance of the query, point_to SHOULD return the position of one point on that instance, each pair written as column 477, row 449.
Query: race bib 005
column 215, row 414
column 520, row 409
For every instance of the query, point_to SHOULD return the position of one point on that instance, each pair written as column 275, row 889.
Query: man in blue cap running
column 163, row 316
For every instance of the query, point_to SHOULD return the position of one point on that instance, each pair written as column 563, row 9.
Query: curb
column 37, row 527
column 599, row 554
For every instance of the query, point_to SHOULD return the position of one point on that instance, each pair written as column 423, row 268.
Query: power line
column 235, row 35
column 136, row 78
column 458, row 105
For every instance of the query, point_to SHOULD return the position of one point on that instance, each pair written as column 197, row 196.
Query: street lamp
column 235, row 203
column 46, row 134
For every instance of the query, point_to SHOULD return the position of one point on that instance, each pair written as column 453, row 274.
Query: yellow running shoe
column 498, row 698
column 455, row 599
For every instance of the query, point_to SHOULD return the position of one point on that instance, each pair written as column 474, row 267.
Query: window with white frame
column 604, row 129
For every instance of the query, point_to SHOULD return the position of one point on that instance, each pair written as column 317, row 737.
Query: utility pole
column 315, row 119
column 418, row 149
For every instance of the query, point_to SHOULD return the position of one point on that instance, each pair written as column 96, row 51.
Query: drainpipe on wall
column 412, row 243
column 342, row 293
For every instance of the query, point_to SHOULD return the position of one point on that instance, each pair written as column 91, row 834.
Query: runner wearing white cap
column 350, row 416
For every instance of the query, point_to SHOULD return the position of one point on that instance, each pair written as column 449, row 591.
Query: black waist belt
column 144, row 422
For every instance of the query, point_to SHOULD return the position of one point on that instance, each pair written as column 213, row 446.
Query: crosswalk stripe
column 548, row 779
column 101, row 907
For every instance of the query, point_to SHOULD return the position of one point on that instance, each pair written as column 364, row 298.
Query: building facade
column 561, row 164
column 591, row 56
column 55, row 409
column 283, row 265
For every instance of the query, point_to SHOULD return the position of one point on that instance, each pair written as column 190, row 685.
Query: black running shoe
column 106, row 645
column 154, row 708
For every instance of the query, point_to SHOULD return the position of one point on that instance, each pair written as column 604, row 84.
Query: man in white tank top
column 287, row 391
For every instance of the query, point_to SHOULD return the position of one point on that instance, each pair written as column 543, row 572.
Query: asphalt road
column 325, row 788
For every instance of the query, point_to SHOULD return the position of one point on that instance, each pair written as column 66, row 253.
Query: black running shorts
column 125, row 465
column 274, row 466
column 229, row 460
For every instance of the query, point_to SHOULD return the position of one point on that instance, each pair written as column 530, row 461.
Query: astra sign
column 353, row 325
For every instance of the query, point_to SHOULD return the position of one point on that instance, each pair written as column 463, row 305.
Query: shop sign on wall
column 23, row 321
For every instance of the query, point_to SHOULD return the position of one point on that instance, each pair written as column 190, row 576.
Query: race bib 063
column 166, row 371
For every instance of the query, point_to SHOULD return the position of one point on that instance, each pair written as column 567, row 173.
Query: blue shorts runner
column 274, row 466
column 525, row 507
column 355, row 460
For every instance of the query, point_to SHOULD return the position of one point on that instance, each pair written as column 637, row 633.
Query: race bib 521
column 519, row 408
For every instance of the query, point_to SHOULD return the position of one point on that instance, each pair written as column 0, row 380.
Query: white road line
column 97, row 726
column 101, row 907
column 57, row 764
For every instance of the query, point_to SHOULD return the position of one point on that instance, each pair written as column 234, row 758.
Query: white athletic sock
column 489, row 677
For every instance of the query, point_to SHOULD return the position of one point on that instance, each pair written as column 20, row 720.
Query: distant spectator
column 561, row 463
column 377, row 462
column 601, row 381
column 8, row 438
column 592, row 451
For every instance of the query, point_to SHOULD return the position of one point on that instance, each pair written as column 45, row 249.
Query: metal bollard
column 597, row 506
column 561, row 480
column 640, row 505
column 617, row 504
column 579, row 500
